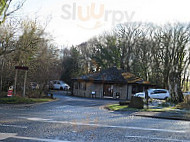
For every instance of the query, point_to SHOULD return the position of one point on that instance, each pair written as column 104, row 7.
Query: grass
column 21, row 100
column 39, row 100
column 117, row 107
column 164, row 109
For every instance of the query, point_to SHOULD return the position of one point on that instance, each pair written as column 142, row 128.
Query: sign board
column 10, row 91
column 93, row 93
column 21, row 68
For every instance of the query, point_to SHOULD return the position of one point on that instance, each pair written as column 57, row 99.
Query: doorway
column 108, row 90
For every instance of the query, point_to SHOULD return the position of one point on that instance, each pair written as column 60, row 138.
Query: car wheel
column 61, row 88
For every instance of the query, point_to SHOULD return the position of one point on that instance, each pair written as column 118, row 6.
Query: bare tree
column 5, row 9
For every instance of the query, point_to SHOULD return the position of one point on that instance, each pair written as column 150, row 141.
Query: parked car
column 155, row 94
column 186, row 93
column 58, row 84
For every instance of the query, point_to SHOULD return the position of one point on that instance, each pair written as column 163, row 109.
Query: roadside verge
column 162, row 113
column 165, row 115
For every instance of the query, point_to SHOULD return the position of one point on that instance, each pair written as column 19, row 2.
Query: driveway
column 81, row 119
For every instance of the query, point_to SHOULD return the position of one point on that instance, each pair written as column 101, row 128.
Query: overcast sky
column 73, row 22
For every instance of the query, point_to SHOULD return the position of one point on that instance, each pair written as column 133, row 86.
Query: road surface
column 84, row 120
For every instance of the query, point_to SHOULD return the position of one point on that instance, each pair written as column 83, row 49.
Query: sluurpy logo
column 94, row 15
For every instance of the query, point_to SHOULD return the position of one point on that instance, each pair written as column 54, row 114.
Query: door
column 161, row 94
column 108, row 90
column 154, row 94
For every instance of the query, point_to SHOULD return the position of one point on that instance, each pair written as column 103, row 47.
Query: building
column 109, row 83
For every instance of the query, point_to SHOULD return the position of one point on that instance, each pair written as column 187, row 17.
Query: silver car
column 59, row 85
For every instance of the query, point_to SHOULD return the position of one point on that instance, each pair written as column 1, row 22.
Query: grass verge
column 117, row 107
column 20, row 100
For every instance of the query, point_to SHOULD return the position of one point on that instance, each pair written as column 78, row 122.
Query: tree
column 127, row 35
column 7, row 38
column 71, row 66
column 32, row 48
column 107, row 53
column 5, row 6
column 7, row 42
column 160, row 55
column 175, row 42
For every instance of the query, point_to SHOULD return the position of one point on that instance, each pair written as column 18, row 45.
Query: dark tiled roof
column 112, row 75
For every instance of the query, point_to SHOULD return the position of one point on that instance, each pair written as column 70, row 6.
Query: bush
column 165, row 104
column 15, row 100
column 187, row 99
column 123, row 103
column 136, row 102
column 185, row 104
column 3, row 94
column 36, row 94
column 21, row 100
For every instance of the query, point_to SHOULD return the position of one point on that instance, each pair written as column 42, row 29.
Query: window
column 159, row 92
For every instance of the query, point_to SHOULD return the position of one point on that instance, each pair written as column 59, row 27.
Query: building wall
column 97, row 88
column 87, row 92
column 90, row 87
column 120, row 90
column 129, row 92
column 125, row 91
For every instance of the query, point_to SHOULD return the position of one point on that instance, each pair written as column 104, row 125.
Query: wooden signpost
column 16, row 74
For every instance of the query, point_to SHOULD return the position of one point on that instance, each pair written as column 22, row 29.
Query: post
column 16, row 73
column 24, row 89
column 1, row 89
column 147, row 97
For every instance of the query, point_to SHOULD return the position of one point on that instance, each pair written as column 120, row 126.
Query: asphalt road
column 81, row 119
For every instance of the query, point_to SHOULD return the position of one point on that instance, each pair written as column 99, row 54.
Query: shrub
column 164, row 104
column 15, row 100
column 3, row 94
column 185, row 104
column 21, row 100
column 136, row 102
column 122, row 103
column 36, row 94
column 187, row 99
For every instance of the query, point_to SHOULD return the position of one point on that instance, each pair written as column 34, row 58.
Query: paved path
column 82, row 119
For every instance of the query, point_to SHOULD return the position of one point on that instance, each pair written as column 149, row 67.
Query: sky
column 72, row 22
